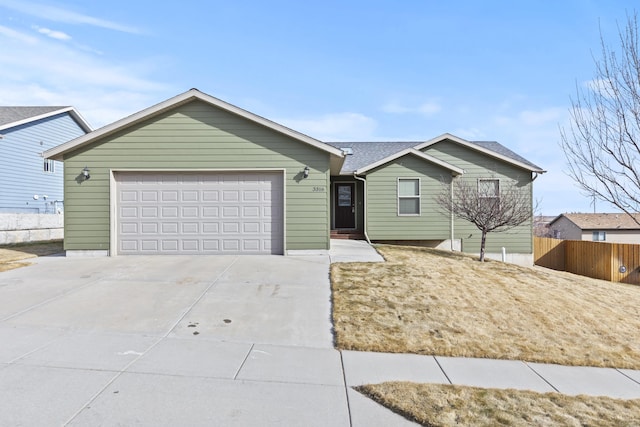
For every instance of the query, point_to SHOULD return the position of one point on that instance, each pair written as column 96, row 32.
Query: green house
column 197, row 175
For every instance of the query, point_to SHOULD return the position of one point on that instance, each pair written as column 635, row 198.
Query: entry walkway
column 353, row 251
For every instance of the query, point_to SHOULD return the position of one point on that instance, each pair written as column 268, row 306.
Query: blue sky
column 335, row 70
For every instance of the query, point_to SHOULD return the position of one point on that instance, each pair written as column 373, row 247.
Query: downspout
column 364, row 200
column 452, row 216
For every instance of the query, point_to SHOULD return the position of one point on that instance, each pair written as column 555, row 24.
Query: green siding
column 478, row 165
column 197, row 136
column 384, row 223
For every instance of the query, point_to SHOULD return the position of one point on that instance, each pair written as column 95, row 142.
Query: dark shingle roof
column 501, row 149
column 10, row 115
column 366, row 153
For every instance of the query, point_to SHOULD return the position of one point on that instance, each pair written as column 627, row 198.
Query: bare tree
column 489, row 204
column 602, row 144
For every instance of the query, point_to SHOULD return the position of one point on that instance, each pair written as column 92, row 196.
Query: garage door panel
column 149, row 228
column 149, row 245
column 199, row 213
column 169, row 196
column 149, row 196
column 190, row 196
column 169, row 245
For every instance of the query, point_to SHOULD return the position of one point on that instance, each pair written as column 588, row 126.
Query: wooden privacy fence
column 616, row 262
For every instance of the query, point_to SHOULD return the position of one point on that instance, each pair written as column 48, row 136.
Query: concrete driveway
column 174, row 341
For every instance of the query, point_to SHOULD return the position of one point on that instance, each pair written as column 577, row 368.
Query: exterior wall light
column 85, row 174
column 305, row 172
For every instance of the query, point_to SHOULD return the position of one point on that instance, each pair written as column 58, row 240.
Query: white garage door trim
column 114, row 195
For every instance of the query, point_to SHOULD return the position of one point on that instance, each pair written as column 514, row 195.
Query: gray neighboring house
column 197, row 175
column 30, row 183
column 597, row 227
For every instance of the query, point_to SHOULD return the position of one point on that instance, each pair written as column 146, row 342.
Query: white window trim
column 604, row 235
column 419, row 196
column 49, row 166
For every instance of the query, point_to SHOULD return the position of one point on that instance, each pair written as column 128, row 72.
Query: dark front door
column 345, row 205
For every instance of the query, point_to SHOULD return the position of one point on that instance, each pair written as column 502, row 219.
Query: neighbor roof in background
column 601, row 221
column 15, row 116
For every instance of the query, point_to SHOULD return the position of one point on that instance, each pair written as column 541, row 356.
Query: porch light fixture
column 85, row 173
column 305, row 172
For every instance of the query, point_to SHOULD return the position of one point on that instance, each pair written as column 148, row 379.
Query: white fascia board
column 476, row 147
column 72, row 111
column 454, row 169
column 58, row 152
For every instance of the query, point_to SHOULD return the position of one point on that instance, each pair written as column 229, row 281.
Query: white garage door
column 199, row 213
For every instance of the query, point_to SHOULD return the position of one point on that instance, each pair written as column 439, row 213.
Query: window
column 49, row 166
column 489, row 192
column 599, row 236
column 408, row 196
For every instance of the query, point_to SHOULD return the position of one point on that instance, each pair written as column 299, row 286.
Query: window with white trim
column 49, row 166
column 489, row 192
column 408, row 196
column 599, row 236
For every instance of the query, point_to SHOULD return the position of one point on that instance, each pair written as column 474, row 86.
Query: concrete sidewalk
column 371, row 368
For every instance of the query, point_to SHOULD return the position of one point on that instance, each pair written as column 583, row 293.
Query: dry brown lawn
column 448, row 405
column 11, row 256
column 433, row 302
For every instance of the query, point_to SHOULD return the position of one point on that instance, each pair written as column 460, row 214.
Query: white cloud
column 59, row 35
column 17, row 36
column 426, row 109
column 57, row 14
column 42, row 71
column 335, row 127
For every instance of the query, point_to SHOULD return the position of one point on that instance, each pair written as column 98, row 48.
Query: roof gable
column 11, row 117
column 601, row 221
column 490, row 148
column 58, row 152
column 411, row 151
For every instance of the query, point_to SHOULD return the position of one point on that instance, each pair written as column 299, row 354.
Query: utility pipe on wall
column 452, row 216
column 364, row 192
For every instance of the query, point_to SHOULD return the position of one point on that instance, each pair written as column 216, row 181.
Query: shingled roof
column 15, row 116
column 601, row 221
column 367, row 153
column 10, row 115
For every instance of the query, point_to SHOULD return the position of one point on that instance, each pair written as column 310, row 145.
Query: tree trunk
column 483, row 241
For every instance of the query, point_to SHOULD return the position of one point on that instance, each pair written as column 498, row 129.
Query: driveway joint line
column 47, row 301
column 13, row 361
column 631, row 378
column 346, row 388
column 441, row 369
column 543, row 378
column 235, row 376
